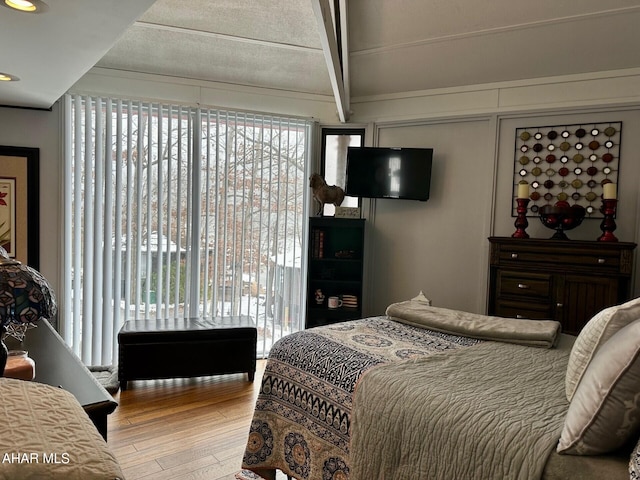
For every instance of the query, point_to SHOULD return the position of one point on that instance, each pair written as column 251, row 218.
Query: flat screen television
column 384, row 172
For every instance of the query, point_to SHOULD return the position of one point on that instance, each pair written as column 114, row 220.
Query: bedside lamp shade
column 25, row 298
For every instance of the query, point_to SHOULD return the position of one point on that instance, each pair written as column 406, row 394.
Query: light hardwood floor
column 183, row 429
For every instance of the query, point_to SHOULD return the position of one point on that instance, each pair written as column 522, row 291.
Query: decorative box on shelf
column 347, row 212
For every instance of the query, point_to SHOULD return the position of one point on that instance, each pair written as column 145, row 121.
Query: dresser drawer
column 526, row 285
column 514, row 309
column 597, row 261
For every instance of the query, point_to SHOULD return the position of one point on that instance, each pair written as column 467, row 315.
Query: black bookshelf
column 335, row 267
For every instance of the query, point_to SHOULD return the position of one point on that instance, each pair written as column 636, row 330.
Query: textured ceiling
column 394, row 45
column 258, row 43
column 50, row 51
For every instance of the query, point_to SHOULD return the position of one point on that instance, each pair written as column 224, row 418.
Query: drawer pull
column 514, row 255
column 559, row 305
column 601, row 261
column 523, row 286
column 520, row 316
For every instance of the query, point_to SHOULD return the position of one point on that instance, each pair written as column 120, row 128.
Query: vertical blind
column 176, row 212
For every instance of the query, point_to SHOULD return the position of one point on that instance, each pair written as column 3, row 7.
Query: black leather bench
column 153, row 349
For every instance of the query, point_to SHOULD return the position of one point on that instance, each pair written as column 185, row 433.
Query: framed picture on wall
column 566, row 163
column 20, row 203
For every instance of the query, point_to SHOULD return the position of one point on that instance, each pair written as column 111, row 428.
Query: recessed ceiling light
column 29, row 6
column 7, row 77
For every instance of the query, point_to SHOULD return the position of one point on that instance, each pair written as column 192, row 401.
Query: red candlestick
column 608, row 224
column 521, row 220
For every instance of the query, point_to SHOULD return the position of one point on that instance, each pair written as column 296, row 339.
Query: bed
column 46, row 434
column 426, row 392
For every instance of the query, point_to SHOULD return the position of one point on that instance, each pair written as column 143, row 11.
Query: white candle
column 609, row 191
column 523, row 190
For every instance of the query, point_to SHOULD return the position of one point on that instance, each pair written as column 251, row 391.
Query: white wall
column 99, row 81
column 617, row 89
column 41, row 129
column 439, row 246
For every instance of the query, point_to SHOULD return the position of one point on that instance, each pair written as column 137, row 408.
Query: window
column 180, row 212
column 334, row 159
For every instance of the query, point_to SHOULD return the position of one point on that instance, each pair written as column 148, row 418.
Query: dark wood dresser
column 564, row 280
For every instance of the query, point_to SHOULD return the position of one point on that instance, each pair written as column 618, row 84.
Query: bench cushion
column 132, row 330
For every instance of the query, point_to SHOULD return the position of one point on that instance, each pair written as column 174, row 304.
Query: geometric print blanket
column 302, row 419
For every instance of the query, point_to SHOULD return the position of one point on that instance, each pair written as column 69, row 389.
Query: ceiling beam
column 344, row 50
column 326, row 29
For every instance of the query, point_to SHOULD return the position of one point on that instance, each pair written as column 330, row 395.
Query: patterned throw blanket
column 302, row 421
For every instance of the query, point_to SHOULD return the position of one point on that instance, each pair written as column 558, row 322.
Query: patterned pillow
column 634, row 463
column 595, row 333
column 605, row 411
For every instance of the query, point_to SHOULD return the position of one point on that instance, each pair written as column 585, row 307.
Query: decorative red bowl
column 561, row 218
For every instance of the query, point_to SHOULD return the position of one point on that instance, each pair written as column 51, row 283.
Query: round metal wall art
column 588, row 156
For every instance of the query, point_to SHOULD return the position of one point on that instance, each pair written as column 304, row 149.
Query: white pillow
column 605, row 410
column 594, row 334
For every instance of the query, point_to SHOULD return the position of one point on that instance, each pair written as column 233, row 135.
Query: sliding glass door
column 180, row 212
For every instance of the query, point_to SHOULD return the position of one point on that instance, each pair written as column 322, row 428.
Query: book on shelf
column 317, row 243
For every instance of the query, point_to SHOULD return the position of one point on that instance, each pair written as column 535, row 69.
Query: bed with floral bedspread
column 302, row 418
column 302, row 423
